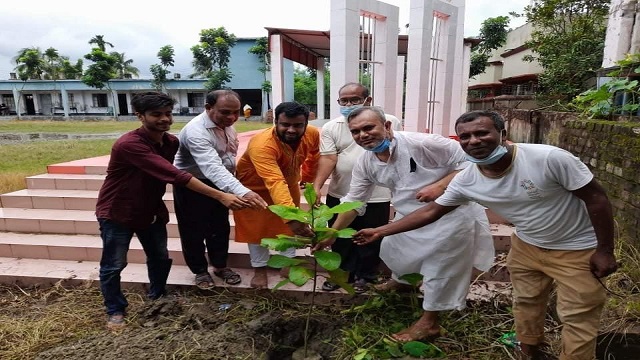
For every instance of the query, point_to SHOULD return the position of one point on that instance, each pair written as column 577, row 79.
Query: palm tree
column 100, row 42
column 123, row 65
column 30, row 63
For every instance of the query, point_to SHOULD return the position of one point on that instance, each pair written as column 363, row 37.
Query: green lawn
column 97, row 127
column 25, row 159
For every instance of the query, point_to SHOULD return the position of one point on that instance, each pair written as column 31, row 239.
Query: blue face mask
column 495, row 155
column 384, row 145
column 346, row 110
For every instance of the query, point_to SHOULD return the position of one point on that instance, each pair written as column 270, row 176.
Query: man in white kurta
column 416, row 168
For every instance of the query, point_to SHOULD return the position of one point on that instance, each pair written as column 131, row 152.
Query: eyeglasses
column 352, row 101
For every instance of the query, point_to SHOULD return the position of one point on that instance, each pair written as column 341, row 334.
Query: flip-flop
column 204, row 281
column 229, row 276
column 329, row 286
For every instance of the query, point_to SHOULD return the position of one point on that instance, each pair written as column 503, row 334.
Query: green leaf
column 340, row 277
column 346, row 233
column 361, row 354
column 281, row 284
column 347, row 206
column 413, row 278
column 420, row 349
column 321, row 215
column 324, row 233
column 300, row 275
column 282, row 244
column 291, row 213
column 295, row 238
column 328, row 259
column 310, row 194
column 393, row 348
column 278, row 261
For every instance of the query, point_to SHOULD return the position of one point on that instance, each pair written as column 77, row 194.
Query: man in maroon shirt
column 130, row 200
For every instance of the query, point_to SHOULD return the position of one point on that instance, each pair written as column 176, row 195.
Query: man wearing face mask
column 338, row 153
column 416, row 168
column 563, row 237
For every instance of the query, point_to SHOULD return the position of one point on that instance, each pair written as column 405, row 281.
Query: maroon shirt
column 137, row 178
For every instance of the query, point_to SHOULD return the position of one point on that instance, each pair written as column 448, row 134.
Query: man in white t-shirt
column 338, row 154
column 564, row 229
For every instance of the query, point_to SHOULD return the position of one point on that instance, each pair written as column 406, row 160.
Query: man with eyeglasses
column 338, row 154
column 208, row 148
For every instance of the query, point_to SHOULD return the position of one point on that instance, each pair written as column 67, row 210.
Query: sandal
column 229, row 276
column 329, row 286
column 360, row 286
column 204, row 281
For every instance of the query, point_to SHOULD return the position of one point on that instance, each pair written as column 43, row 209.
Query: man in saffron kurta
column 274, row 164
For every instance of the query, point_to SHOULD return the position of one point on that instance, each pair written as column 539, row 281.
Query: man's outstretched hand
column 366, row 236
column 255, row 201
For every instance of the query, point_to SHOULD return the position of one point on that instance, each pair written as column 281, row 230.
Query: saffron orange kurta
column 274, row 170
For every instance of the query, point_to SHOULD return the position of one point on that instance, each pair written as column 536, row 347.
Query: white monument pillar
column 320, row 89
column 620, row 32
column 277, row 72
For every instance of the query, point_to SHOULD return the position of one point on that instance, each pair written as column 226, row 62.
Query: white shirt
column 207, row 151
column 336, row 139
column 534, row 195
column 447, row 247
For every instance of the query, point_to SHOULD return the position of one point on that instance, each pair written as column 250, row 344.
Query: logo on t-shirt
column 532, row 191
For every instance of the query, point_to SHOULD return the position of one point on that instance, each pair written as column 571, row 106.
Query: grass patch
column 97, row 127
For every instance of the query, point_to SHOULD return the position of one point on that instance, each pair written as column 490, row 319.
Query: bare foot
column 259, row 280
column 424, row 328
column 392, row 285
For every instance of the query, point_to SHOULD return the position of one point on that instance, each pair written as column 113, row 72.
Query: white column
column 344, row 42
column 465, row 79
column 617, row 42
column 277, row 72
column 385, row 56
column 399, row 88
column 418, row 65
column 65, row 101
column 320, row 89
column 17, row 100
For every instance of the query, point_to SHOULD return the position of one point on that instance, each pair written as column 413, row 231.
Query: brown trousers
column 580, row 297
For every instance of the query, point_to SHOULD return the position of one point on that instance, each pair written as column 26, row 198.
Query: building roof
column 305, row 46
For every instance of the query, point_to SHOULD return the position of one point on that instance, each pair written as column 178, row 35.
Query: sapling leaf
column 327, row 259
column 300, row 275
column 281, row 284
column 298, row 238
column 321, row 215
column 340, row 277
column 282, row 244
column 324, row 233
column 420, row 349
column 346, row 233
column 413, row 278
column 280, row 261
column 310, row 194
column 346, row 206
column 291, row 213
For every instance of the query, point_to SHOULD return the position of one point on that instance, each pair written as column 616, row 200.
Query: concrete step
column 27, row 272
column 89, row 248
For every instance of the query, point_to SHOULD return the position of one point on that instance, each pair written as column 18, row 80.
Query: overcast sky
column 141, row 28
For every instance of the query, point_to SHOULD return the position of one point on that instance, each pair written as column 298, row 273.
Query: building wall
column 611, row 149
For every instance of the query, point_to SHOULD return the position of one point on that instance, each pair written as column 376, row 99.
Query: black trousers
column 361, row 261
column 202, row 222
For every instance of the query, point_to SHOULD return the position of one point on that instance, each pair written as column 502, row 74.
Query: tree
column 211, row 57
column 30, row 64
column 261, row 49
column 159, row 71
column 124, row 66
column 71, row 71
column 99, row 41
column 103, row 69
column 568, row 42
column 493, row 33
column 305, row 86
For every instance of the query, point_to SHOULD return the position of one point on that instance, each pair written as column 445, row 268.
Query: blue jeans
column 115, row 245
